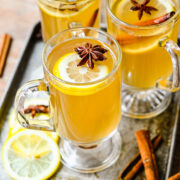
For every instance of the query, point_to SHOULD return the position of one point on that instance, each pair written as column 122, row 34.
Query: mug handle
column 171, row 84
column 33, row 97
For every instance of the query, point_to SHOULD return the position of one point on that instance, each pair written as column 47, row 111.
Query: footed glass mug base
column 144, row 103
column 92, row 158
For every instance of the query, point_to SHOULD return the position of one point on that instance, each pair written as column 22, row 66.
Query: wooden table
column 16, row 18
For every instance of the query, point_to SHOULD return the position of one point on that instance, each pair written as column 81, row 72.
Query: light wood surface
column 16, row 18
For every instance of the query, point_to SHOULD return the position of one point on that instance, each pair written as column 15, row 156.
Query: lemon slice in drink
column 30, row 155
column 12, row 119
column 66, row 69
column 149, row 38
column 122, row 10
column 46, row 6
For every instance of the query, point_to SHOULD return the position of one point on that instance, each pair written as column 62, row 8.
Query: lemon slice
column 15, row 127
column 142, row 46
column 30, row 155
column 12, row 119
column 149, row 38
column 66, row 69
column 46, row 7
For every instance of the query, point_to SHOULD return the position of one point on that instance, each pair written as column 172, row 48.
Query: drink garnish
column 71, row 7
column 90, row 53
column 36, row 109
column 157, row 20
column 94, row 17
column 129, row 39
column 142, row 8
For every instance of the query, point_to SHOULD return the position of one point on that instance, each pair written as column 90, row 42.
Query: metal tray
column 29, row 67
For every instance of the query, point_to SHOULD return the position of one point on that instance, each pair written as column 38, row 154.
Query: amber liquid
column 60, row 16
column 90, row 113
column 144, row 62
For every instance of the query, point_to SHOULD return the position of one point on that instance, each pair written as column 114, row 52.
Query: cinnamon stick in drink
column 147, row 154
column 128, row 39
column 158, row 20
column 5, row 41
column 93, row 19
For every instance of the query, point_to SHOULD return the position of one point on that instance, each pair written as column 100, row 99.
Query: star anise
column 90, row 53
column 142, row 8
column 36, row 109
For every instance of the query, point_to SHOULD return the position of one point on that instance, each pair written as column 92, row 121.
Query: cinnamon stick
column 136, row 163
column 147, row 154
column 129, row 39
column 157, row 20
column 175, row 177
column 93, row 19
column 5, row 41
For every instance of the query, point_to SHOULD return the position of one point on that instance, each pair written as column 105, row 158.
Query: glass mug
column 149, row 74
column 87, row 125
column 58, row 15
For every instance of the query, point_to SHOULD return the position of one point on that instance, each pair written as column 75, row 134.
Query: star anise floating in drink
column 90, row 53
column 142, row 8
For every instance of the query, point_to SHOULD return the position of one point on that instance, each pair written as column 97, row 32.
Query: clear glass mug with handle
column 149, row 73
column 58, row 15
column 78, row 112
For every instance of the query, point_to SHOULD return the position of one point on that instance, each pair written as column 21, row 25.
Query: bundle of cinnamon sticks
column 5, row 41
column 146, row 158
